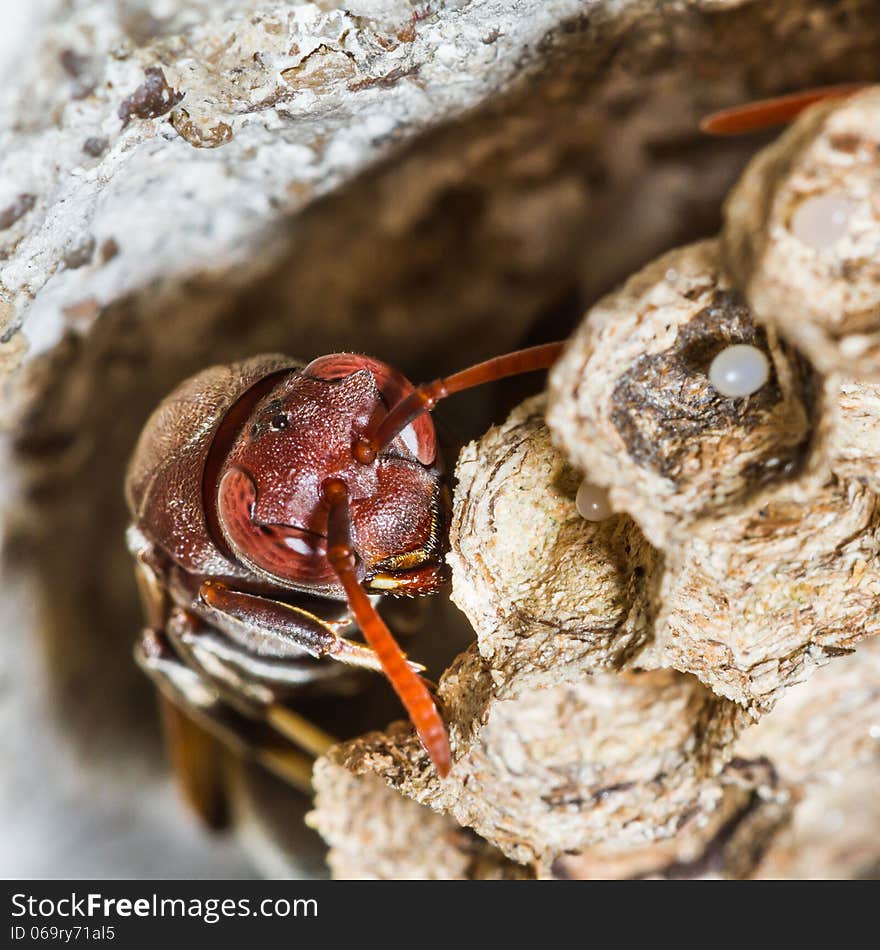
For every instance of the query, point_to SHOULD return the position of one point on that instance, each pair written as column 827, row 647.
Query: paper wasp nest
column 765, row 514
column 803, row 235
column 603, row 724
column 184, row 184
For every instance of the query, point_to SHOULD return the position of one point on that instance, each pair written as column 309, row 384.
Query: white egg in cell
column 739, row 370
column 592, row 502
column 822, row 220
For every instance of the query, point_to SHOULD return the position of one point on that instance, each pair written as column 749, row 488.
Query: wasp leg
column 197, row 708
column 196, row 722
column 246, row 682
column 154, row 598
column 414, row 583
column 194, row 754
column 258, row 677
column 197, row 763
column 270, row 619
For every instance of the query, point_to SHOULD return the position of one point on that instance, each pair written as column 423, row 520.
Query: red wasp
column 264, row 493
column 271, row 502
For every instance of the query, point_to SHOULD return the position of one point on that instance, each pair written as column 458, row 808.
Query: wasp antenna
column 426, row 396
column 407, row 684
column 767, row 113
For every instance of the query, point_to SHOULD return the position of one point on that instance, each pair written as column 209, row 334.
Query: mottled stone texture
column 432, row 183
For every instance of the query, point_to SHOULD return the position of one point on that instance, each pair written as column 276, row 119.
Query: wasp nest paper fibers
column 543, row 770
column 802, row 235
column 185, row 184
column 555, row 748
column 763, row 508
column 659, row 552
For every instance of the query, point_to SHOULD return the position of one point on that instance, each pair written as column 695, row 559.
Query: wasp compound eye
column 279, row 422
